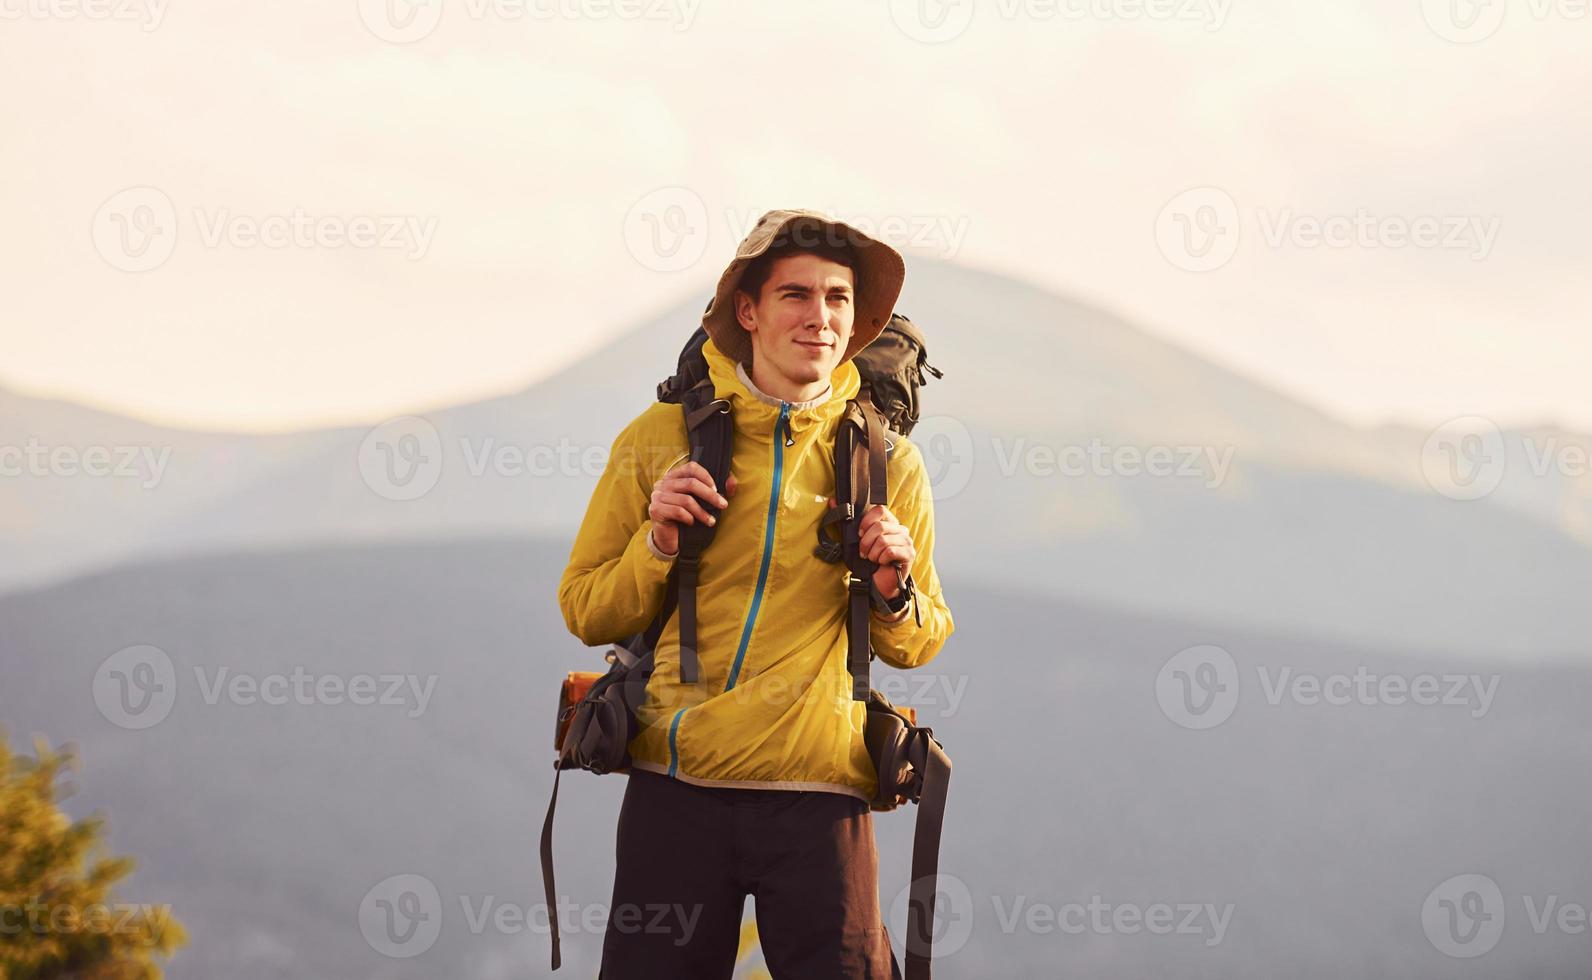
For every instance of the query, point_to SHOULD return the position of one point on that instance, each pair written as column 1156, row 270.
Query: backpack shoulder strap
column 711, row 431
column 861, row 480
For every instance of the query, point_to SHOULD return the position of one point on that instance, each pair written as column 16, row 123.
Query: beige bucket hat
column 880, row 272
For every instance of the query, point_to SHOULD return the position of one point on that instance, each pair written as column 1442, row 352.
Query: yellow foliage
column 56, row 908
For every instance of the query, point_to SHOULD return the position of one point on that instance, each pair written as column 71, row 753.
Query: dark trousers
column 689, row 855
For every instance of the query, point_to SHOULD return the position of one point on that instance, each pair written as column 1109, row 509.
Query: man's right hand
column 675, row 501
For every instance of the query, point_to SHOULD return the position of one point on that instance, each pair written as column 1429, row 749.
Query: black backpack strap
column 925, row 887
column 547, row 863
column 710, row 429
column 860, row 482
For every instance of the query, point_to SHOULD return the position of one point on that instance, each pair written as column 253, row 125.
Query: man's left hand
column 886, row 541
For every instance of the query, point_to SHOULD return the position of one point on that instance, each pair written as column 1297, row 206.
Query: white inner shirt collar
column 746, row 379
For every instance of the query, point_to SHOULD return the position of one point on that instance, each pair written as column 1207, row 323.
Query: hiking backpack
column 597, row 713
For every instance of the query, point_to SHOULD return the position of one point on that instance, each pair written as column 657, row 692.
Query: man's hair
column 798, row 241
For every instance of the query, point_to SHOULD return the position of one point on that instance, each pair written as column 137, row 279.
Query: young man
column 756, row 780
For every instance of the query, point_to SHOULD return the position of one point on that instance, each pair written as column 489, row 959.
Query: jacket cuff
column 656, row 553
column 904, row 614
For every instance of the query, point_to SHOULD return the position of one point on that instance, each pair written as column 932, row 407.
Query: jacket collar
column 757, row 410
column 745, row 378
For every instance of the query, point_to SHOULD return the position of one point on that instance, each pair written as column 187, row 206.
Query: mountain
column 1313, row 832
column 1072, row 453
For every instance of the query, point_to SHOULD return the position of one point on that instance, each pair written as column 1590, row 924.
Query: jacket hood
column 751, row 412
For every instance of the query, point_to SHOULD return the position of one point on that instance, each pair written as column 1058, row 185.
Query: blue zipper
column 762, row 572
column 768, row 541
column 674, row 754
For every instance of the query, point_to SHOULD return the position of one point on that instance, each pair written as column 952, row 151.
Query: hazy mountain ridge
column 1038, row 440
column 1323, row 826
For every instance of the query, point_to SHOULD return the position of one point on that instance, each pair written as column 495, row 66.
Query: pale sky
column 480, row 202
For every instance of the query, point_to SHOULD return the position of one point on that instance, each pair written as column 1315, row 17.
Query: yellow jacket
column 773, row 707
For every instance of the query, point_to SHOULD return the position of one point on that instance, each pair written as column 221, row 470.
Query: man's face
column 801, row 323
